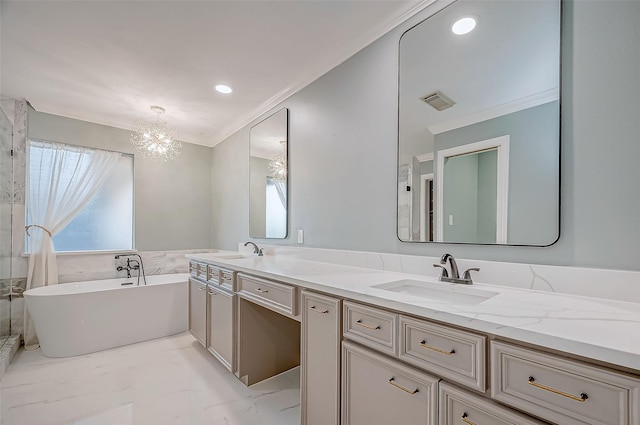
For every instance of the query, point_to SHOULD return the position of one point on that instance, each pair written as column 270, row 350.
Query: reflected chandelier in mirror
column 268, row 170
column 479, row 125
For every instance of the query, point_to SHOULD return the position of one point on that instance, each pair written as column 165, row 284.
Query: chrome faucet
column 129, row 267
column 256, row 251
column 452, row 263
column 454, row 276
column 132, row 265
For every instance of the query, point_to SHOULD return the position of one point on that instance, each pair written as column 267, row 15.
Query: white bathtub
column 83, row 317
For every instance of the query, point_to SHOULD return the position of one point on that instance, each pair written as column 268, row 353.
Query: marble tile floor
column 171, row 380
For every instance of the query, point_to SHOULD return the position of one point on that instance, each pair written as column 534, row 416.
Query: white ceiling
column 108, row 61
column 506, row 64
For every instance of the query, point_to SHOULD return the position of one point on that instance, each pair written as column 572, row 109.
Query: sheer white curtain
column 61, row 181
column 281, row 188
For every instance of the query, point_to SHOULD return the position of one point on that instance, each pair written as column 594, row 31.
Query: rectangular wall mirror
column 268, row 169
column 479, row 125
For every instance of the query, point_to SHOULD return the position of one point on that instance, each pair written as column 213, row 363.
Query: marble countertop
column 602, row 330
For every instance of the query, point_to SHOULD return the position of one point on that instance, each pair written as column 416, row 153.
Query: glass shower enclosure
column 6, row 204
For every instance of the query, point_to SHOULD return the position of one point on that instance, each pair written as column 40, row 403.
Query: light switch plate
column 300, row 236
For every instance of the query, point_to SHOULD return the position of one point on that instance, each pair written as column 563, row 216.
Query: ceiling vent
column 438, row 101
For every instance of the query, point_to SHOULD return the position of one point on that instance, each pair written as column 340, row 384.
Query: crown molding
column 275, row 100
column 498, row 111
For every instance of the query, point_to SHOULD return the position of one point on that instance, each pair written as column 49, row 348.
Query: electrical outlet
column 300, row 236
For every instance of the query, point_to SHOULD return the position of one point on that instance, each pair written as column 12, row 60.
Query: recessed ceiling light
column 224, row 89
column 463, row 25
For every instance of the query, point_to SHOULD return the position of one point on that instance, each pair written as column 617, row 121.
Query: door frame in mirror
column 502, row 145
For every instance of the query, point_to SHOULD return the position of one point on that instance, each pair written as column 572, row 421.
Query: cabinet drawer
column 380, row 390
column 459, row 407
column 562, row 390
column 193, row 268
column 200, row 270
column 226, row 279
column 275, row 296
column 370, row 326
column 213, row 274
column 450, row 353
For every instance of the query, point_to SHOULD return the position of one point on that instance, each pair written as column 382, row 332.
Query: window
column 106, row 222
column 276, row 211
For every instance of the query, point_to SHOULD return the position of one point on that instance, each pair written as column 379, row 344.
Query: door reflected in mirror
column 268, row 169
column 479, row 125
column 474, row 189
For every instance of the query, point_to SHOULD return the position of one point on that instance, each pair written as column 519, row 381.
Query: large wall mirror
column 479, row 125
column 268, row 166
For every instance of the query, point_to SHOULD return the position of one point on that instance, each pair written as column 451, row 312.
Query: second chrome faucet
column 256, row 251
column 454, row 276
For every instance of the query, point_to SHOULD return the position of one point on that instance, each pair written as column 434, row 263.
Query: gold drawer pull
column 313, row 308
column 424, row 344
column 465, row 420
column 392, row 381
column 264, row 291
column 581, row 398
column 373, row 328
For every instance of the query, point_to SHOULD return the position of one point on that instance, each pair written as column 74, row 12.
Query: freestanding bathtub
column 83, row 317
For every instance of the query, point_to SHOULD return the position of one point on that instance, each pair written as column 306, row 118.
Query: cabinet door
column 198, row 310
column 320, row 382
column 377, row 390
column 221, row 329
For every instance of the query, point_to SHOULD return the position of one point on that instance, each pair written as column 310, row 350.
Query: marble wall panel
column 5, row 308
column 84, row 267
column 6, row 167
column 19, row 151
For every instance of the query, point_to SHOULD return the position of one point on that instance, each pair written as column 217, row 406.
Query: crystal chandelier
column 155, row 140
column 278, row 165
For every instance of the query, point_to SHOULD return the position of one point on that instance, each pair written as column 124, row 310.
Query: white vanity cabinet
column 367, row 364
column 320, row 373
column 221, row 314
column 377, row 390
column 198, row 310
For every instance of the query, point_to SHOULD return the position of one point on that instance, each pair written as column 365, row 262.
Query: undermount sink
column 438, row 292
column 232, row 257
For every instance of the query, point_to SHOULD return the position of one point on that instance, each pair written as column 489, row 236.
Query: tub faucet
column 132, row 265
column 129, row 266
column 454, row 276
column 256, row 251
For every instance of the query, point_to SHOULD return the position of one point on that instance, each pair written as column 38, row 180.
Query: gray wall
column 172, row 199
column 460, row 193
column 230, row 198
column 487, row 195
column 343, row 153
